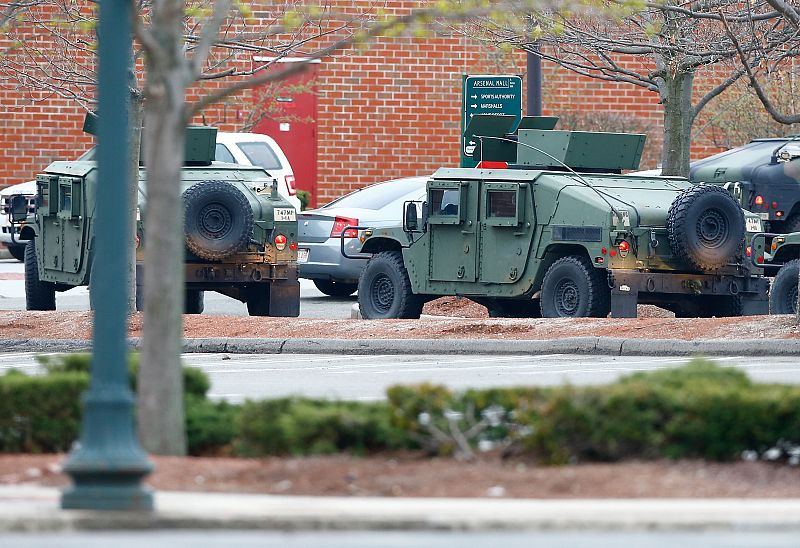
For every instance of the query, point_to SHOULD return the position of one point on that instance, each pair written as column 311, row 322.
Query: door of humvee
column 453, row 226
column 507, row 224
column 61, row 211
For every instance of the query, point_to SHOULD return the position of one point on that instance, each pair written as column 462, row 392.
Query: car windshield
column 260, row 154
column 377, row 196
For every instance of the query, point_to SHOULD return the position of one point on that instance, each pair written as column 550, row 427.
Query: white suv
column 255, row 149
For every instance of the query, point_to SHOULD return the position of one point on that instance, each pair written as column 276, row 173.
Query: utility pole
column 108, row 463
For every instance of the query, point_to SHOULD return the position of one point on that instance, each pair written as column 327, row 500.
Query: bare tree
column 212, row 44
column 660, row 48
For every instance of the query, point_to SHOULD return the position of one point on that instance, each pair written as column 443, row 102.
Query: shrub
column 40, row 414
column 301, row 426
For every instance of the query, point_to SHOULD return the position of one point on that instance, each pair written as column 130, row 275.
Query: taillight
column 293, row 246
column 290, row 184
column 759, row 200
column 749, row 251
column 340, row 223
column 624, row 246
column 280, row 242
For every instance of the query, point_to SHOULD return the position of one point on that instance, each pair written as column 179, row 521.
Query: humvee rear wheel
column 39, row 295
column 195, row 302
column 705, row 227
column 574, row 288
column 384, row 290
column 218, row 219
column 783, row 293
column 336, row 289
column 17, row 251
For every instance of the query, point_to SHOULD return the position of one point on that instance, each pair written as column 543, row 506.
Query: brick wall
column 390, row 110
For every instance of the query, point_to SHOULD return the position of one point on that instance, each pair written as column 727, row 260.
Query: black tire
column 514, row 308
column 705, row 227
column 258, row 300
column 573, row 288
column 195, row 301
column 335, row 289
column 218, row 219
column 783, row 292
column 39, row 295
column 17, row 251
column 384, row 290
column 792, row 224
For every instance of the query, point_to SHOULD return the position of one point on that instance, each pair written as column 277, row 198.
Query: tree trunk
column 160, row 409
column 676, row 96
column 135, row 117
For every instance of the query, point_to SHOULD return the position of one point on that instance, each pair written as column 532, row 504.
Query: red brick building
column 389, row 110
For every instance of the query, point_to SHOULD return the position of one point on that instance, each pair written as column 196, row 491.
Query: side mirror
column 410, row 223
column 19, row 208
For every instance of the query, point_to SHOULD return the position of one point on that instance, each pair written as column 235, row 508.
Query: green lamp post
column 107, row 464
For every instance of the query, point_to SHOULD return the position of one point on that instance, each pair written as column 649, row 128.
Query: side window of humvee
column 447, row 203
column 503, row 203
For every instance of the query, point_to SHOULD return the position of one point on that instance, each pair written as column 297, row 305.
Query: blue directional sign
column 488, row 94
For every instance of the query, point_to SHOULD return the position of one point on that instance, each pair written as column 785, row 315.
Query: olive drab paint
column 256, row 271
column 492, row 235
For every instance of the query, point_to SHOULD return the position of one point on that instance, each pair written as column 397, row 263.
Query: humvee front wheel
column 39, row 295
column 384, row 290
column 783, row 293
column 574, row 288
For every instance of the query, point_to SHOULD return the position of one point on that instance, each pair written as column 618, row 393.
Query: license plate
column 302, row 255
column 753, row 224
column 285, row 214
column 763, row 215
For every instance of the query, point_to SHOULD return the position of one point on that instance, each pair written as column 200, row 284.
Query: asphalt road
column 313, row 303
column 404, row 539
column 236, row 377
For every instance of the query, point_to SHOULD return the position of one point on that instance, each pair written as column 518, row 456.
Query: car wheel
column 218, row 219
column 384, row 290
column 336, row 289
column 39, row 295
column 195, row 302
column 17, row 251
column 574, row 288
column 705, row 227
column 783, row 293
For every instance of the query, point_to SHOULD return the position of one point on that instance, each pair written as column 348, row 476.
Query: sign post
column 487, row 94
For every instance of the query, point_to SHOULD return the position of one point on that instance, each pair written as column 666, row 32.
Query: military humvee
column 241, row 235
column 547, row 226
column 763, row 176
column 780, row 255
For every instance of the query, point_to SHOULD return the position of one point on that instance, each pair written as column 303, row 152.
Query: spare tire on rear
column 706, row 227
column 218, row 219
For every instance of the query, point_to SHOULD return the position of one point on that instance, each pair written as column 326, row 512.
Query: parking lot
column 313, row 304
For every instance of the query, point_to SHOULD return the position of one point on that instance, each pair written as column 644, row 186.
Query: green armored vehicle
column 780, row 255
column 547, row 226
column 241, row 235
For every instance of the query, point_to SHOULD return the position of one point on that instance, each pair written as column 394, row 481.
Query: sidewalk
column 36, row 509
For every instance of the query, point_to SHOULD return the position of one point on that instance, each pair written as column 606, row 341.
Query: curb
column 36, row 509
column 574, row 345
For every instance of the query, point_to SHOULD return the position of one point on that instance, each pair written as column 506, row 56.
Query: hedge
column 41, row 414
column 700, row 410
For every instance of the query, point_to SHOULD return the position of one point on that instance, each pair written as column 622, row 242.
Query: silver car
column 319, row 249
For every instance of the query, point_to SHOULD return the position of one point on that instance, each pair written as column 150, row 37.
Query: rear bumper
column 631, row 287
column 326, row 262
